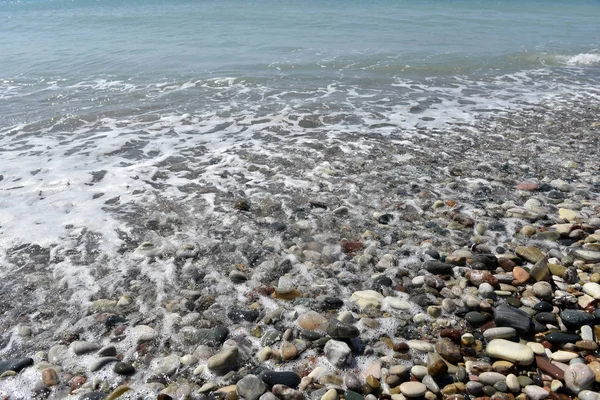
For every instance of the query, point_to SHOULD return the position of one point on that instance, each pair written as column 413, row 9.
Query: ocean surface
column 124, row 122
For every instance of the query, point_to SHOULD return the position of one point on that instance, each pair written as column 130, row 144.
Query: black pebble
column 123, row 368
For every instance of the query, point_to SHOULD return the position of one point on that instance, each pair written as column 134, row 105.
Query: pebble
column 101, row 362
column 413, row 389
column 511, row 351
column 341, row 330
column 224, row 361
column 287, row 378
column 535, row 392
column 337, row 352
column 49, row 377
column 579, row 377
column 124, row 368
column 490, row 378
column 250, row 387
column 367, row 298
column 80, row 348
column 499, row 333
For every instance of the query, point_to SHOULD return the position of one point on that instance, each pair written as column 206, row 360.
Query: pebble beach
column 467, row 271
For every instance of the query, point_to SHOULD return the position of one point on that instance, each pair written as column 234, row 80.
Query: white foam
column 584, row 59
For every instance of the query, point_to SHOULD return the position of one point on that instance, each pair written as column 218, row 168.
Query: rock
column 511, row 351
column 101, row 362
column 107, row 351
column 288, row 351
column 331, row 394
column 477, row 277
column 562, row 337
column 449, row 350
column 49, row 377
column 287, row 378
column 15, row 364
column 499, row 333
column 543, row 290
column 475, row 318
column 143, row 333
column 563, row 356
column 579, row 377
column 588, row 395
column 438, row 268
column 513, row 383
column 592, row 289
column 413, row 389
column 250, row 387
column 508, row 316
column 337, row 352
column 224, row 361
column 437, row 368
column 123, row 368
column 527, row 186
column 80, row 348
column 284, row 392
column 531, row 254
column 421, row 345
column 118, row 392
column 589, row 256
column 576, row 318
column 367, row 298
column 566, row 214
column 166, row 366
column 490, row 378
column 520, row 276
column 397, row 303
column 341, row 330
column 540, row 270
column 535, row 392
column 311, row 321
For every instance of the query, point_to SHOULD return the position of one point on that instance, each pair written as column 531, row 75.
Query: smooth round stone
column 562, row 337
column 588, row 395
column 537, row 348
column 80, row 348
column 490, row 378
column 592, row 289
column 563, row 356
column 101, row 362
column 421, row 346
column 287, row 378
column 367, row 298
column 337, row 352
column 579, row 377
column 546, row 318
column 413, row 389
column 331, row 394
column 499, row 333
column 513, row 383
column 501, row 386
column 223, row 361
column 587, row 333
column 143, row 333
column 250, row 387
column 524, row 380
column 510, row 351
column 474, row 388
column 396, row 303
column 123, row 368
column 341, row 330
column 437, row 368
column 535, row 392
column 475, row 318
column 543, row 306
column 419, row 371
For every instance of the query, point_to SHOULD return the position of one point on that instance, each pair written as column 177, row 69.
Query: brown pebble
column 77, row 381
column 449, row 389
column 559, row 396
column 452, row 334
column 437, row 368
column 401, row 347
column 477, row 277
column 506, row 264
column 520, row 276
column 351, row 247
column 373, row 382
column 549, row 368
column 49, row 377
column 527, row 186
column 588, row 345
column 502, row 396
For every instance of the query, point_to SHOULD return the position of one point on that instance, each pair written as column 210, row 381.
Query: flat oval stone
column 499, row 333
column 511, row 351
column 562, row 337
column 101, row 362
column 413, row 389
column 80, row 348
column 490, row 378
column 123, row 368
column 546, row 318
column 15, row 364
column 576, row 318
column 287, row 378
